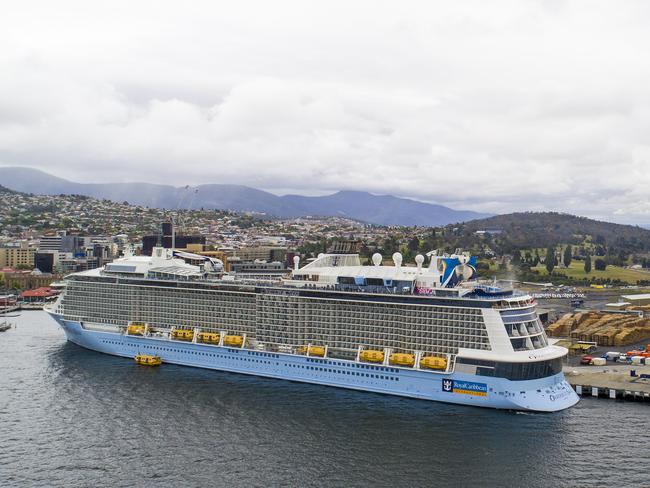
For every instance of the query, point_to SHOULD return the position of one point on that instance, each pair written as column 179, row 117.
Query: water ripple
column 71, row 417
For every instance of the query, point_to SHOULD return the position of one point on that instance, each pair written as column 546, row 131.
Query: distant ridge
column 363, row 206
column 542, row 229
column 4, row 189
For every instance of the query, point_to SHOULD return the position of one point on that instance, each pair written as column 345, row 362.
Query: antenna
column 181, row 222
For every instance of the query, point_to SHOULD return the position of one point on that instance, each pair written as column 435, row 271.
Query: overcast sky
column 486, row 105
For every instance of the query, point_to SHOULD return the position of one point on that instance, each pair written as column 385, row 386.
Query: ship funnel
column 419, row 260
column 296, row 262
column 377, row 259
column 397, row 259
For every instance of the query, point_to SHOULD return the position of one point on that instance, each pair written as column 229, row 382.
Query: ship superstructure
column 420, row 331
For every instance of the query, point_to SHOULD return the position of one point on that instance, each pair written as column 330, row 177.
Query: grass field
column 577, row 271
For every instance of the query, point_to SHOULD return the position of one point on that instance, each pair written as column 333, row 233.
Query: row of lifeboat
column 374, row 356
column 187, row 335
column 367, row 355
column 208, row 337
column 403, row 359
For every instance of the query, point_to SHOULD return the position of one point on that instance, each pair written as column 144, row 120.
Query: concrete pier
column 611, row 381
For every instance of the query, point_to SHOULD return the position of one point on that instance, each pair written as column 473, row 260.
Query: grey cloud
column 495, row 106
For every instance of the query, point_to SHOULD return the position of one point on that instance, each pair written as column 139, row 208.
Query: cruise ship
column 429, row 331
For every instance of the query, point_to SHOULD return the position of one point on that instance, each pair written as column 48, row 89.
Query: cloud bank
column 491, row 106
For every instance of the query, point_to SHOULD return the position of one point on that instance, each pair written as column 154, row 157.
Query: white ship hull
column 548, row 394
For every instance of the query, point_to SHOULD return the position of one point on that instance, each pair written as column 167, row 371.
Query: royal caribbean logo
column 464, row 387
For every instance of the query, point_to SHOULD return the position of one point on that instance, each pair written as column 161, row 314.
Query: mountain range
column 359, row 205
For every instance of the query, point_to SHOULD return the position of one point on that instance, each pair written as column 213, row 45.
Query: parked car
column 612, row 355
column 586, row 360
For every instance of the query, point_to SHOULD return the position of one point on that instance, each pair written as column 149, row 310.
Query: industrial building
column 637, row 300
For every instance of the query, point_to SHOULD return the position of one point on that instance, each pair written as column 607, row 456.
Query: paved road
column 615, row 376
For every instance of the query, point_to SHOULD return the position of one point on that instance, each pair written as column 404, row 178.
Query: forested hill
column 4, row 189
column 543, row 229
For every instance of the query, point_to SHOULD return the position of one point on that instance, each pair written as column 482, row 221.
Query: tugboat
column 148, row 360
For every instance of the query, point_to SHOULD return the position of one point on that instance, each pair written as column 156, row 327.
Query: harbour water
column 72, row 417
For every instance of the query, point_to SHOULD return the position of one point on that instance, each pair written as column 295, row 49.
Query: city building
column 165, row 240
column 51, row 242
column 40, row 294
column 17, row 256
column 25, row 279
column 46, row 261
column 261, row 253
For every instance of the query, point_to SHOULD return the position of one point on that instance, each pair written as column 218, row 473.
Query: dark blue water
column 71, row 417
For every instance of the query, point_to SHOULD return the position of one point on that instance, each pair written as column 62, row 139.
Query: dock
column 612, row 381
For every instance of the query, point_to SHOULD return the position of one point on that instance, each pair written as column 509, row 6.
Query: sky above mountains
column 490, row 106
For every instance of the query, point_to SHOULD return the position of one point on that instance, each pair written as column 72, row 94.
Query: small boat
column 371, row 356
column 182, row 334
column 148, row 360
column 233, row 340
column 312, row 350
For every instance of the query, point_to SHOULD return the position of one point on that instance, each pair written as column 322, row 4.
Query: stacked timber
column 605, row 329
column 565, row 324
column 632, row 335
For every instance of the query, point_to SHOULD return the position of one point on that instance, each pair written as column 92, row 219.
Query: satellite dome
column 377, row 259
column 397, row 259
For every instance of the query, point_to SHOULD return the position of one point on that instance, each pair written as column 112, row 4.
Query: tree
column 550, row 259
column 568, row 256
column 414, row 244
column 588, row 264
column 600, row 265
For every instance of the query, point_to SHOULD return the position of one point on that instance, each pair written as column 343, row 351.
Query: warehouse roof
column 640, row 296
